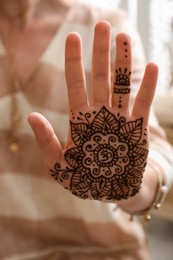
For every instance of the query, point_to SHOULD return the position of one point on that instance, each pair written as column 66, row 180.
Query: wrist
column 146, row 195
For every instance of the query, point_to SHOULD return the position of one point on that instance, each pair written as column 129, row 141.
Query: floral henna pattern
column 122, row 77
column 108, row 158
column 122, row 81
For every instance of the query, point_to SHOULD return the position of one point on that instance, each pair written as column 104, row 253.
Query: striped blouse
column 38, row 218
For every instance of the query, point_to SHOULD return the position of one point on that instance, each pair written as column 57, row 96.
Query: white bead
column 164, row 189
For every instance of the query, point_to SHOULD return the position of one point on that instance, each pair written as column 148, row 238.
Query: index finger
column 74, row 71
column 146, row 93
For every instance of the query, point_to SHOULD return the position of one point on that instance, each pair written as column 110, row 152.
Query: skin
column 45, row 136
column 104, row 167
column 102, row 95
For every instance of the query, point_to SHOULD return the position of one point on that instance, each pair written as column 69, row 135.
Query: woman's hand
column 107, row 147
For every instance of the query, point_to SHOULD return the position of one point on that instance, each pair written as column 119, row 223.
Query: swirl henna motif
column 107, row 160
column 105, row 155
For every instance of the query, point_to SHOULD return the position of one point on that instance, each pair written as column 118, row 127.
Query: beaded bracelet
column 161, row 193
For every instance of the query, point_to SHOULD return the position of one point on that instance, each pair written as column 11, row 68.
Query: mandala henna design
column 108, row 158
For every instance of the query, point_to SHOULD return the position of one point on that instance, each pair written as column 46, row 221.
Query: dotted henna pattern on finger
column 126, row 50
column 120, row 101
column 107, row 159
column 122, row 78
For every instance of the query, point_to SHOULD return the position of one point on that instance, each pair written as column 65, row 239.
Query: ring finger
column 122, row 74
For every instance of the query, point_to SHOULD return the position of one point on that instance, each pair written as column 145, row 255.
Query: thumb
column 47, row 140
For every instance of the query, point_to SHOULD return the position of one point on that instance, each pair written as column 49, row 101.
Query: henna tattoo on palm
column 107, row 159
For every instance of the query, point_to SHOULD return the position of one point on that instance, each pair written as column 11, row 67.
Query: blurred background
column 154, row 21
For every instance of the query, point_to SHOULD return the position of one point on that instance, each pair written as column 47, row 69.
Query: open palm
column 107, row 147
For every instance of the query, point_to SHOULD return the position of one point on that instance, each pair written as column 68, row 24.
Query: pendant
column 14, row 148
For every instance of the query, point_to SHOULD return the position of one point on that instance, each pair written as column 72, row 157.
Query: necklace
column 14, row 87
column 15, row 113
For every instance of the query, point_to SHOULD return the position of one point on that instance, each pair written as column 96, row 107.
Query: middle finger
column 101, row 63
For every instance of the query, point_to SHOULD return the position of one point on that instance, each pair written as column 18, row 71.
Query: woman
column 40, row 219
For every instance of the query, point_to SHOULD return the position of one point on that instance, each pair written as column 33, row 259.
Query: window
column 154, row 21
column 162, row 42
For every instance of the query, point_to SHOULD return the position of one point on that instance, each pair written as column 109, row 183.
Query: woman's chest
column 45, row 89
column 24, row 48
